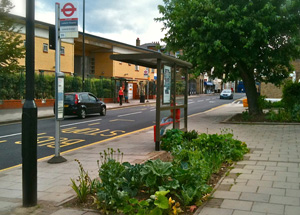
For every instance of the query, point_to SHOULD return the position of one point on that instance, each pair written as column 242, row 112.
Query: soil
column 89, row 204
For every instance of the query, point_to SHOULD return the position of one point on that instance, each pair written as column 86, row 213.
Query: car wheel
column 82, row 114
column 103, row 111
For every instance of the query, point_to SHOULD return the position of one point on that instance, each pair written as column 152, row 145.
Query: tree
column 254, row 40
column 11, row 43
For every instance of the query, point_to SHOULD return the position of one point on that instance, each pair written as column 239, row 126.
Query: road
column 92, row 130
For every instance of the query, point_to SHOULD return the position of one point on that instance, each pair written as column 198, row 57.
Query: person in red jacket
column 121, row 94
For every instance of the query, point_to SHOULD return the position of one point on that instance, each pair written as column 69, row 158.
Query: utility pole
column 29, row 117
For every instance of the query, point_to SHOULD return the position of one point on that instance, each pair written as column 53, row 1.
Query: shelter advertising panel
column 167, row 85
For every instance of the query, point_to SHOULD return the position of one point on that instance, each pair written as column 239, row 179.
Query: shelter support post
column 158, row 96
column 186, row 99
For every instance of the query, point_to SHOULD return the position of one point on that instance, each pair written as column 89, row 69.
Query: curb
column 227, row 121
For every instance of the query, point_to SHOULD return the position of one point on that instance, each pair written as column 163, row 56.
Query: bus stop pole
column 58, row 76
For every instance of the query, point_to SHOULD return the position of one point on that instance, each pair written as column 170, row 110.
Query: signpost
column 69, row 20
column 66, row 26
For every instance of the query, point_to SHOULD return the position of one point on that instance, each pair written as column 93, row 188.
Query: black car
column 83, row 103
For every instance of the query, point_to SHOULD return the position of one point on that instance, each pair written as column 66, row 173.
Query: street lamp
column 29, row 117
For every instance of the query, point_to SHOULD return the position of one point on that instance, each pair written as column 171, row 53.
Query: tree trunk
column 251, row 91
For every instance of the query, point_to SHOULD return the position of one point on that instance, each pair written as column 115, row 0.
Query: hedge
column 12, row 86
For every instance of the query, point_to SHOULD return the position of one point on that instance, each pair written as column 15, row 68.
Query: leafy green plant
column 163, row 205
column 132, row 179
column 190, row 135
column 135, row 207
column 157, row 174
column 109, row 192
column 85, row 184
column 171, row 138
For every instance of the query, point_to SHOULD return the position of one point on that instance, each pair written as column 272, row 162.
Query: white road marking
column 129, row 114
column 10, row 135
column 80, row 123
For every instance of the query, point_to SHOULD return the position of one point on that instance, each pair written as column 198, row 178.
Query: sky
column 119, row 20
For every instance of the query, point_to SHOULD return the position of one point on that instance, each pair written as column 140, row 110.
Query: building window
column 24, row 43
column 45, row 47
column 137, row 67
column 62, row 50
column 129, row 64
column 152, row 70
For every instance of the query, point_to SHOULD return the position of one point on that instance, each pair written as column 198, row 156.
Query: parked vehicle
column 226, row 94
column 83, row 103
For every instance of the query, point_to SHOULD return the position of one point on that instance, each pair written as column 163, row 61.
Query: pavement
column 267, row 181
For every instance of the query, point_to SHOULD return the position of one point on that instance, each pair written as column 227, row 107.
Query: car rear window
column 227, row 91
column 69, row 97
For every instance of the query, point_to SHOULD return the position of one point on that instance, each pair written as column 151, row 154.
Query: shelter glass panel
column 166, row 121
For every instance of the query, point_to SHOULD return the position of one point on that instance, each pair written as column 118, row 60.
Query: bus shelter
column 172, row 89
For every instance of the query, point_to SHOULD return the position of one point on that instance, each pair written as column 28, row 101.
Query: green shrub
column 171, row 138
column 195, row 158
column 12, row 86
column 291, row 95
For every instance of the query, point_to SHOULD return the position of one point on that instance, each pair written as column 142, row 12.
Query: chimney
column 138, row 42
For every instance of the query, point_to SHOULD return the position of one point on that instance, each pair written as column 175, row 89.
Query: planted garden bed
column 159, row 187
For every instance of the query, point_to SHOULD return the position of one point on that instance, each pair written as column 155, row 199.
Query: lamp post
column 83, row 45
column 29, row 117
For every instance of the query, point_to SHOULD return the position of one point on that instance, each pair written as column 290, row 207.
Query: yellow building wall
column 129, row 71
column 46, row 60
column 103, row 65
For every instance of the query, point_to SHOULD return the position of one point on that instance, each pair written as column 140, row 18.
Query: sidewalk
column 266, row 182
column 15, row 115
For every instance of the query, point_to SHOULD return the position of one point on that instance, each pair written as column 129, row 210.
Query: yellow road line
column 97, row 123
column 124, row 120
column 3, row 141
column 12, row 167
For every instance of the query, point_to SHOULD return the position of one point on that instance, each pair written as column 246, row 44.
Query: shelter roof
column 150, row 59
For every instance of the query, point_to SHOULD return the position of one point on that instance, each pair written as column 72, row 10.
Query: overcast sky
column 120, row 20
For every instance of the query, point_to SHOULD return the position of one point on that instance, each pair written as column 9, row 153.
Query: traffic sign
column 146, row 73
column 69, row 20
column 68, row 9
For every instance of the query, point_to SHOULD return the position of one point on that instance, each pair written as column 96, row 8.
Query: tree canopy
column 254, row 40
column 11, row 43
